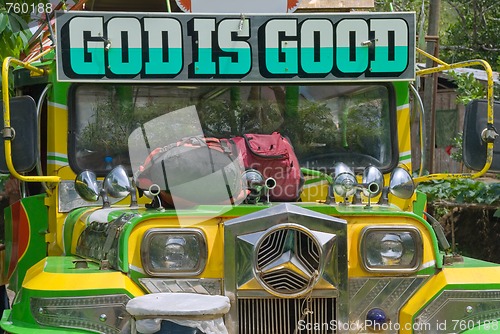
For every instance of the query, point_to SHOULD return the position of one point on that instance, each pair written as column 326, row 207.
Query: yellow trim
column 490, row 99
column 7, row 63
column 404, row 132
column 314, row 191
column 57, row 140
column 38, row 279
column 448, row 276
column 211, row 228
column 356, row 226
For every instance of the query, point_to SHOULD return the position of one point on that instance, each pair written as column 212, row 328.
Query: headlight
column 391, row 248
column 173, row 252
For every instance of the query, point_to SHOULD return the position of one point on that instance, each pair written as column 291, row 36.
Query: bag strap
column 223, row 145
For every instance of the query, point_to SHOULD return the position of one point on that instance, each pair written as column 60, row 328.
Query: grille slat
column 274, row 315
column 287, row 260
column 285, row 281
column 308, row 252
column 272, row 247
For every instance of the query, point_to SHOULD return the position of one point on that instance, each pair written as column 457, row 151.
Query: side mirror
column 23, row 119
column 475, row 134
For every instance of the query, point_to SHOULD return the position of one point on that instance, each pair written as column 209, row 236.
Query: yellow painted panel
column 355, row 228
column 211, row 228
column 38, row 279
column 448, row 276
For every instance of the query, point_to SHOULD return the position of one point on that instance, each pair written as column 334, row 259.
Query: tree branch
column 455, row 47
column 478, row 206
column 484, row 47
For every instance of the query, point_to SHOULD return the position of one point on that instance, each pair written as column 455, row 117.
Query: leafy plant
column 463, row 191
column 457, row 143
column 112, row 122
column 468, row 88
column 14, row 34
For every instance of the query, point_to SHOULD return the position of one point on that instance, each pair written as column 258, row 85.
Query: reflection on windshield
column 326, row 124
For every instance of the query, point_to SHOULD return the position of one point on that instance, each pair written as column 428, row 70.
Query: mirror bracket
column 8, row 133
column 105, row 199
column 490, row 134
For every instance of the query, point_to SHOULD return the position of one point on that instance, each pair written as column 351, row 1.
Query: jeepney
column 90, row 251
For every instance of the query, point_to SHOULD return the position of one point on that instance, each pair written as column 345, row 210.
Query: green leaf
column 4, row 20
column 17, row 22
column 25, row 36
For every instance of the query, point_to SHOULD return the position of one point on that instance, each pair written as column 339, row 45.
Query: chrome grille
column 285, row 281
column 271, row 247
column 288, row 260
column 284, row 316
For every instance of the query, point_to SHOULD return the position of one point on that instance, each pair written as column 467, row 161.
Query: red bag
column 194, row 171
column 273, row 156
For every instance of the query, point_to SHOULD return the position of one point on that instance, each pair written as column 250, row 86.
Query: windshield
column 325, row 123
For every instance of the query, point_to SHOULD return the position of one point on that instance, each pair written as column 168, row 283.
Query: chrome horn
column 372, row 182
column 117, row 184
column 86, row 186
column 256, row 185
column 344, row 182
column 401, row 184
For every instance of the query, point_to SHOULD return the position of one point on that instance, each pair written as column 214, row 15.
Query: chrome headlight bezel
column 410, row 236
column 180, row 234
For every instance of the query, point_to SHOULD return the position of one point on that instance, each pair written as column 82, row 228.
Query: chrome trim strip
column 460, row 310
column 205, row 286
column 389, row 294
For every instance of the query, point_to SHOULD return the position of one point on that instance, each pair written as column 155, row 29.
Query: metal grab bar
column 7, row 63
column 489, row 146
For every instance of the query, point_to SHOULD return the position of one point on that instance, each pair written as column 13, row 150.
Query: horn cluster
column 345, row 184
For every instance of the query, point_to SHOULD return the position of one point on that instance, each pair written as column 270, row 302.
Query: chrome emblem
column 288, row 261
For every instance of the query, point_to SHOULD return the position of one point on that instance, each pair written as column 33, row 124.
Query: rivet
column 469, row 309
column 103, row 317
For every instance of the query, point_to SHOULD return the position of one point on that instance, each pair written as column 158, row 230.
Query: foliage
column 14, row 34
column 463, row 191
column 313, row 125
column 14, row 28
column 475, row 32
column 468, row 29
column 457, row 144
column 223, row 118
column 3, row 179
column 113, row 121
column 468, row 88
column 404, row 5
